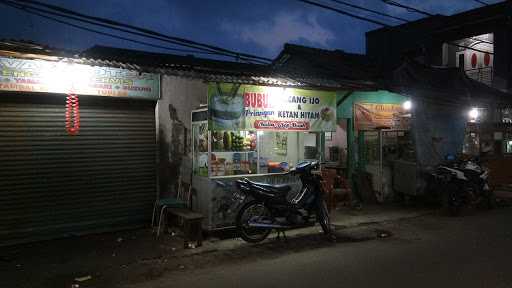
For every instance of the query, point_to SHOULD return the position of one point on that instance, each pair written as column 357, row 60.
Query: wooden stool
column 192, row 227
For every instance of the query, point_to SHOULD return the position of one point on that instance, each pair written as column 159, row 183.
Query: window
column 251, row 152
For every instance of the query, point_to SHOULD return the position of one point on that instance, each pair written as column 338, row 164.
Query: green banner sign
column 65, row 77
column 249, row 107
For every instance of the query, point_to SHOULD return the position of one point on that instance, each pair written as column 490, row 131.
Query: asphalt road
column 430, row 251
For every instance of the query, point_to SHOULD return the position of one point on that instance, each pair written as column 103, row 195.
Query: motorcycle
column 270, row 208
column 462, row 183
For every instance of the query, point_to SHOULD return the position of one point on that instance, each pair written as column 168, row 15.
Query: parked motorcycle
column 270, row 208
column 462, row 183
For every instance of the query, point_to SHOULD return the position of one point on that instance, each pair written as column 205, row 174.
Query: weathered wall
column 179, row 97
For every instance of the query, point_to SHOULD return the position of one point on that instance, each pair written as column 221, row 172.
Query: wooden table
column 192, row 225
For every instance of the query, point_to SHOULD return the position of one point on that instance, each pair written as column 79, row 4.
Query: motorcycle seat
column 274, row 189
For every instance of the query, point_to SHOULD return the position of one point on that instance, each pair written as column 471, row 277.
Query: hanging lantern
column 487, row 59
column 72, row 114
column 474, row 60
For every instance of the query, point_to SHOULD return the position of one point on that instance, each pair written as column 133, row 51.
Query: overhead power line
column 111, row 24
column 44, row 13
column 481, row 2
column 408, row 8
column 105, row 33
column 345, row 13
column 398, row 27
column 369, row 10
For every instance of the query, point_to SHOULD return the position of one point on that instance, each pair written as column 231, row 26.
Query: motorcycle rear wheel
column 323, row 217
column 249, row 211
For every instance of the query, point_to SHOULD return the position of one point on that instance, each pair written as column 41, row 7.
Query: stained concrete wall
column 179, row 96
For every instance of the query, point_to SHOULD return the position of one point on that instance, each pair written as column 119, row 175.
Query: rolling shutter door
column 53, row 184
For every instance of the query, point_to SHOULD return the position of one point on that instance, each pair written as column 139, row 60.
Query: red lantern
column 72, row 114
column 487, row 59
column 474, row 60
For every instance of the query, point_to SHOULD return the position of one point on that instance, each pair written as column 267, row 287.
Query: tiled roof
column 186, row 66
column 305, row 67
column 328, row 66
column 276, row 74
column 27, row 48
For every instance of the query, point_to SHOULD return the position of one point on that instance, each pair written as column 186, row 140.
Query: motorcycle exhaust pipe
column 263, row 225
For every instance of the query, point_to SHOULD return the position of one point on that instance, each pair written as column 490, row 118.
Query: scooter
column 463, row 183
column 270, row 208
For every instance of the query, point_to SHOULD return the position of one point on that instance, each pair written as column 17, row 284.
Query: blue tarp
column 438, row 130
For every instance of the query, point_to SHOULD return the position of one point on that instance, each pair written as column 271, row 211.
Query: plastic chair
column 181, row 200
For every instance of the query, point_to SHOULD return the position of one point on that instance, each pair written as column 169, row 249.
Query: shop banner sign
column 64, row 77
column 249, row 107
column 369, row 116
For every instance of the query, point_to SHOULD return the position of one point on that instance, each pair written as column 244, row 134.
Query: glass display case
column 236, row 153
column 256, row 132
column 221, row 157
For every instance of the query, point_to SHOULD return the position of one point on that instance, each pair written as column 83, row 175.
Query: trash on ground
column 84, row 278
column 119, row 239
column 383, row 234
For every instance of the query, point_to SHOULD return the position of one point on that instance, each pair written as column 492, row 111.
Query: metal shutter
column 53, row 184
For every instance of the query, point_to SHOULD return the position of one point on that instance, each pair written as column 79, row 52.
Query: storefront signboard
column 249, row 107
column 369, row 116
column 64, row 77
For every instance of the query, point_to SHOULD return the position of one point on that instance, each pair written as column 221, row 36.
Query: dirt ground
column 129, row 257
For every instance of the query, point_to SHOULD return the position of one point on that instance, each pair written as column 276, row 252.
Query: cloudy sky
column 259, row 27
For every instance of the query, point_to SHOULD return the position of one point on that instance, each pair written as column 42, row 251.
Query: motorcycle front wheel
column 451, row 200
column 257, row 212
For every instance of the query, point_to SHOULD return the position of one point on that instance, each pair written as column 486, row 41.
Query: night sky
column 252, row 26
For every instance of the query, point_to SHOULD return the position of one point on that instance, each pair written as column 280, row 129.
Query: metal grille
column 53, row 184
column 483, row 75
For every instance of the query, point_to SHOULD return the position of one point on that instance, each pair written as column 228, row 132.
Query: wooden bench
column 192, row 225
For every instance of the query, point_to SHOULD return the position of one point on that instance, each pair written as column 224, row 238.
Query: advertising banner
column 369, row 116
column 64, row 77
column 249, row 107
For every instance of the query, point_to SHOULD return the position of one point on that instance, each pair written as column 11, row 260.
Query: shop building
column 364, row 110
column 68, row 166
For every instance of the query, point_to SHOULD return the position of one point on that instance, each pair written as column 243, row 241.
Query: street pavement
column 428, row 251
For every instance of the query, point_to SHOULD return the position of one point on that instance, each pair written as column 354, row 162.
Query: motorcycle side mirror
column 449, row 157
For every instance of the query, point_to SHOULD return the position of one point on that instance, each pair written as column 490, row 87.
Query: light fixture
column 407, row 105
column 473, row 113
